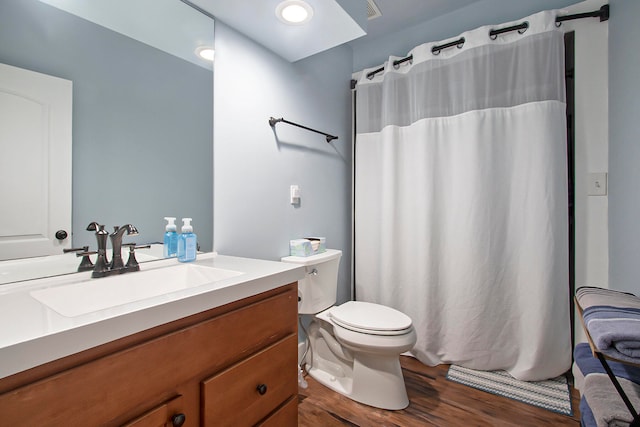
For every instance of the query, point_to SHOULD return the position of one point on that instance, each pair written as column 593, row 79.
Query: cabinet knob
column 262, row 388
column 61, row 234
column 178, row 419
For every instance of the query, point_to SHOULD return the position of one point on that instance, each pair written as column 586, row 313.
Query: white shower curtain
column 461, row 217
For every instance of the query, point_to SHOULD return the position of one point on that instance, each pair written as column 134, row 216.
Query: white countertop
column 33, row 334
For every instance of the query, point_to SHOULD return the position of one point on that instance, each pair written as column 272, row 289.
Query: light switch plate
column 597, row 184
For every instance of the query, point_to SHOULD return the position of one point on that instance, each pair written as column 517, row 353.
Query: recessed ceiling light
column 294, row 12
column 205, row 52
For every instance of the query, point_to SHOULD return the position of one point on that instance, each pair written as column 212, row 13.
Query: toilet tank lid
column 328, row 255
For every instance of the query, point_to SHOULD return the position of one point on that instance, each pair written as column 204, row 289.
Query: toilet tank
column 317, row 291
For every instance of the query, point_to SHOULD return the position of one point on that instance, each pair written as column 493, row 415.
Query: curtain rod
column 602, row 13
column 273, row 121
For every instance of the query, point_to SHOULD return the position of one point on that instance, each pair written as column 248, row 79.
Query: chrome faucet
column 116, row 245
column 102, row 266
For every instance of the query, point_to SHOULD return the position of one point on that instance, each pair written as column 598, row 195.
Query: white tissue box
column 307, row 246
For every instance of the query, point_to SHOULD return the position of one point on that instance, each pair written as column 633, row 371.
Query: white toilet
column 354, row 347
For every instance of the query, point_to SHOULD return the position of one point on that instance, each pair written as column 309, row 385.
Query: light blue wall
column 374, row 52
column 624, row 146
column 142, row 121
column 254, row 166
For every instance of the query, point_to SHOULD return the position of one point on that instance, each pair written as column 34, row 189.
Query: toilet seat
column 369, row 318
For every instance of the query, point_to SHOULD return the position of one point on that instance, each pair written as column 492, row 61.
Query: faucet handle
column 82, row 249
column 98, row 228
column 132, row 262
column 93, row 226
column 133, row 246
column 85, row 264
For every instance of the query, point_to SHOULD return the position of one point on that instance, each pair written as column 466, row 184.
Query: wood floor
column 435, row 401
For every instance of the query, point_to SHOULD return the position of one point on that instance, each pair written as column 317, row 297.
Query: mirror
column 142, row 115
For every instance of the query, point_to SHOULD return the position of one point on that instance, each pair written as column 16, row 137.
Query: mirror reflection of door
column 35, row 152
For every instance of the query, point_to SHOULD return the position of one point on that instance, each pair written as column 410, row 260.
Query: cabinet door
column 166, row 415
column 249, row 391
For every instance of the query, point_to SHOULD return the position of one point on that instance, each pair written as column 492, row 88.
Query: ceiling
column 168, row 25
column 337, row 21
column 412, row 12
column 334, row 22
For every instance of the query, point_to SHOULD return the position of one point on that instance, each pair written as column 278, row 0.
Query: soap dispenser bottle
column 170, row 238
column 187, row 242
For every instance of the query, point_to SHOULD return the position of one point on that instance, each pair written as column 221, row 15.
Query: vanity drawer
column 286, row 415
column 249, row 391
column 168, row 413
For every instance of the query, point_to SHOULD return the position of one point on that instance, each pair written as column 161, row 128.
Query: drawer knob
column 178, row 419
column 262, row 388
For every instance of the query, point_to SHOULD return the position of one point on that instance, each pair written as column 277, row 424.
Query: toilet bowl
column 355, row 347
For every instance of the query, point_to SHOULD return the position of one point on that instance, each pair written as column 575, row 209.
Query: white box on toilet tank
column 318, row 290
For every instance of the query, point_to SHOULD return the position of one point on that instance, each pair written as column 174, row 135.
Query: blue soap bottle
column 170, row 238
column 187, row 242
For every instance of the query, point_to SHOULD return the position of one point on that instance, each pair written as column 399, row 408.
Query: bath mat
column 552, row 394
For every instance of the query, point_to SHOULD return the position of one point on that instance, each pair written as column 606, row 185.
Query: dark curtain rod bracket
column 273, row 121
column 602, row 13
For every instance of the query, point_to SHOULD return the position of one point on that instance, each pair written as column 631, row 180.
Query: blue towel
column 586, row 415
column 615, row 331
column 588, row 364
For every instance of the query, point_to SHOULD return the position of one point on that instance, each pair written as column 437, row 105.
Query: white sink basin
column 98, row 294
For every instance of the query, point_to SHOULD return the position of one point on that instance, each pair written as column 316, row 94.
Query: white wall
column 591, row 147
column 254, row 166
column 624, row 148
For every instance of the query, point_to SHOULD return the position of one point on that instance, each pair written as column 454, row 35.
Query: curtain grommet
column 525, row 27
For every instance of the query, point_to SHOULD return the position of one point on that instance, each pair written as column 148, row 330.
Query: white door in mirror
column 35, row 160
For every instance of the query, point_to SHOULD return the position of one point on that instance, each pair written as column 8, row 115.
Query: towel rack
column 603, row 361
column 273, row 121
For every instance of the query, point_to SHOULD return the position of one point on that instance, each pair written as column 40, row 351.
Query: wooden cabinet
column 232, row 365
column 251, row 388
column 167, row 414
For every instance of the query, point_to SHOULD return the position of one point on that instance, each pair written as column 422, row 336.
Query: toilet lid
column 369, row 317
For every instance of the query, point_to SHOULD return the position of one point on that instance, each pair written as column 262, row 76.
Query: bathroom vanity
column 219, row 353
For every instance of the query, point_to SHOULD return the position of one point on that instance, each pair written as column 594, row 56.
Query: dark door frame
column 569, row 67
